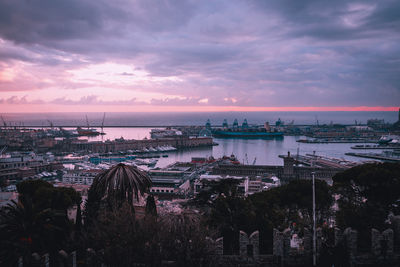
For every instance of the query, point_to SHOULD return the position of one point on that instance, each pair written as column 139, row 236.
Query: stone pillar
column 46, row 260
column 319, row 240
column 277, row 243
column 351, row 241
column 219, row 246
column 307, row 241
column 288, row 167
column 395, row 221
column 243, row 242
column 376, row 239
column 388, row 237
column 73, row 259
column 254, row 240
column 287, row 236
column 338, row 236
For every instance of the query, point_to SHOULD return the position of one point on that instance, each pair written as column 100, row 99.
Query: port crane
column 102, row 124
column 51, row 124
column 254, row 161
column 87, row 122
column 3, row 150
column 4, row 122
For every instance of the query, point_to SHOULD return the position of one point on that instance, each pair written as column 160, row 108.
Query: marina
column 266, row 151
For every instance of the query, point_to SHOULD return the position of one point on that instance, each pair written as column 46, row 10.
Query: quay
column 179, row 142
column 288, row 172
column 374, row 147
column 339, row 141
column 383, row 157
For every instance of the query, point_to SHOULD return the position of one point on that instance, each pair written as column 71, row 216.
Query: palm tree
column 121, row 183
column 25, row 229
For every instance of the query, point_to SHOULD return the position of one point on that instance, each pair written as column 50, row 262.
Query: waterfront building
column 323, row 168
column 83, row 177
column 174, row 181
column 7, row 198
column 248, row 185
column 23, row 165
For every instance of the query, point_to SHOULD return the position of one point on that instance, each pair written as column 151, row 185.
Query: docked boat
column 164, row 133
column 245, row 131
column 87, row 132
column 388, row 156
column 246, row 134
column 389, row 139
column 98, row 159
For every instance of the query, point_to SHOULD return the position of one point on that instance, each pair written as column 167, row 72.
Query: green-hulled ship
column 245, row 131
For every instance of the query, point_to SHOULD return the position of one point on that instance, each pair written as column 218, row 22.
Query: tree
column 116, row 234
column 44, row 195
column 211, row 190
column 25, row 229
column 226, row 208
column 38, row 222
column 279, row 207
column 121, row 183
column 183, row 238
column 293, row 203
column 368, row 193
column 289, row 206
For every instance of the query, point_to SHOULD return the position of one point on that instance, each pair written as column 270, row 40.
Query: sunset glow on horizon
column 100, row 56
column 149, row 108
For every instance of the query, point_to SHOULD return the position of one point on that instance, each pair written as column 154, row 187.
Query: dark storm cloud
column 326, row 19
column 261, row 53
column 38, row 21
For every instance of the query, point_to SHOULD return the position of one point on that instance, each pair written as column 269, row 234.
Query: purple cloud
column 259, row 53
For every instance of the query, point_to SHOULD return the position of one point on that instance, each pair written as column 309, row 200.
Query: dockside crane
column 87, row 122
column 254, row 161
column 3, row 150
column 102, row 124
column 51, row 124
column 4, row 122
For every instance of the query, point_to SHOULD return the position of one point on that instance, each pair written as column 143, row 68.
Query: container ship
column 245, row 131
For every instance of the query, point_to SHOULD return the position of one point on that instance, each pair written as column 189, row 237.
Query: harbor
column 327, row 146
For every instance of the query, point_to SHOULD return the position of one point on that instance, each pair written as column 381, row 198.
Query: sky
column 209, row 55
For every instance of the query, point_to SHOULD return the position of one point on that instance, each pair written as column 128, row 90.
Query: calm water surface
column 265, row 152
column 194, row 118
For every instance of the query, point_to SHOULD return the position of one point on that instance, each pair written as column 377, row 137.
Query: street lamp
column 314, row 222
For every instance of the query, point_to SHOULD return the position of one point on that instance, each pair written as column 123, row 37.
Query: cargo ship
column 87, row 132
column 246, row 134
column 245, row 131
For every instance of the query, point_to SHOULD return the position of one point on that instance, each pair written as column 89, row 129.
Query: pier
column 375, row 156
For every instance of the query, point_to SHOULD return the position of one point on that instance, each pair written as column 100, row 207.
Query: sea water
column 195, row 118
column 260, row 151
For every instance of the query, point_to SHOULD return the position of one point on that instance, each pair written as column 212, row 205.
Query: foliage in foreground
column 37, row 223
column 368, row 195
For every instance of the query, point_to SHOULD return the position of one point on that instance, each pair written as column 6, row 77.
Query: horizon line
column 152, row 109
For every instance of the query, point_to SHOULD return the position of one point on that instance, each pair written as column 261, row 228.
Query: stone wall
column 382, row 251
column 382, row 248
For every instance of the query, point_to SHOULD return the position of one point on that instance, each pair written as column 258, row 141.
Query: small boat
column 87, row 132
